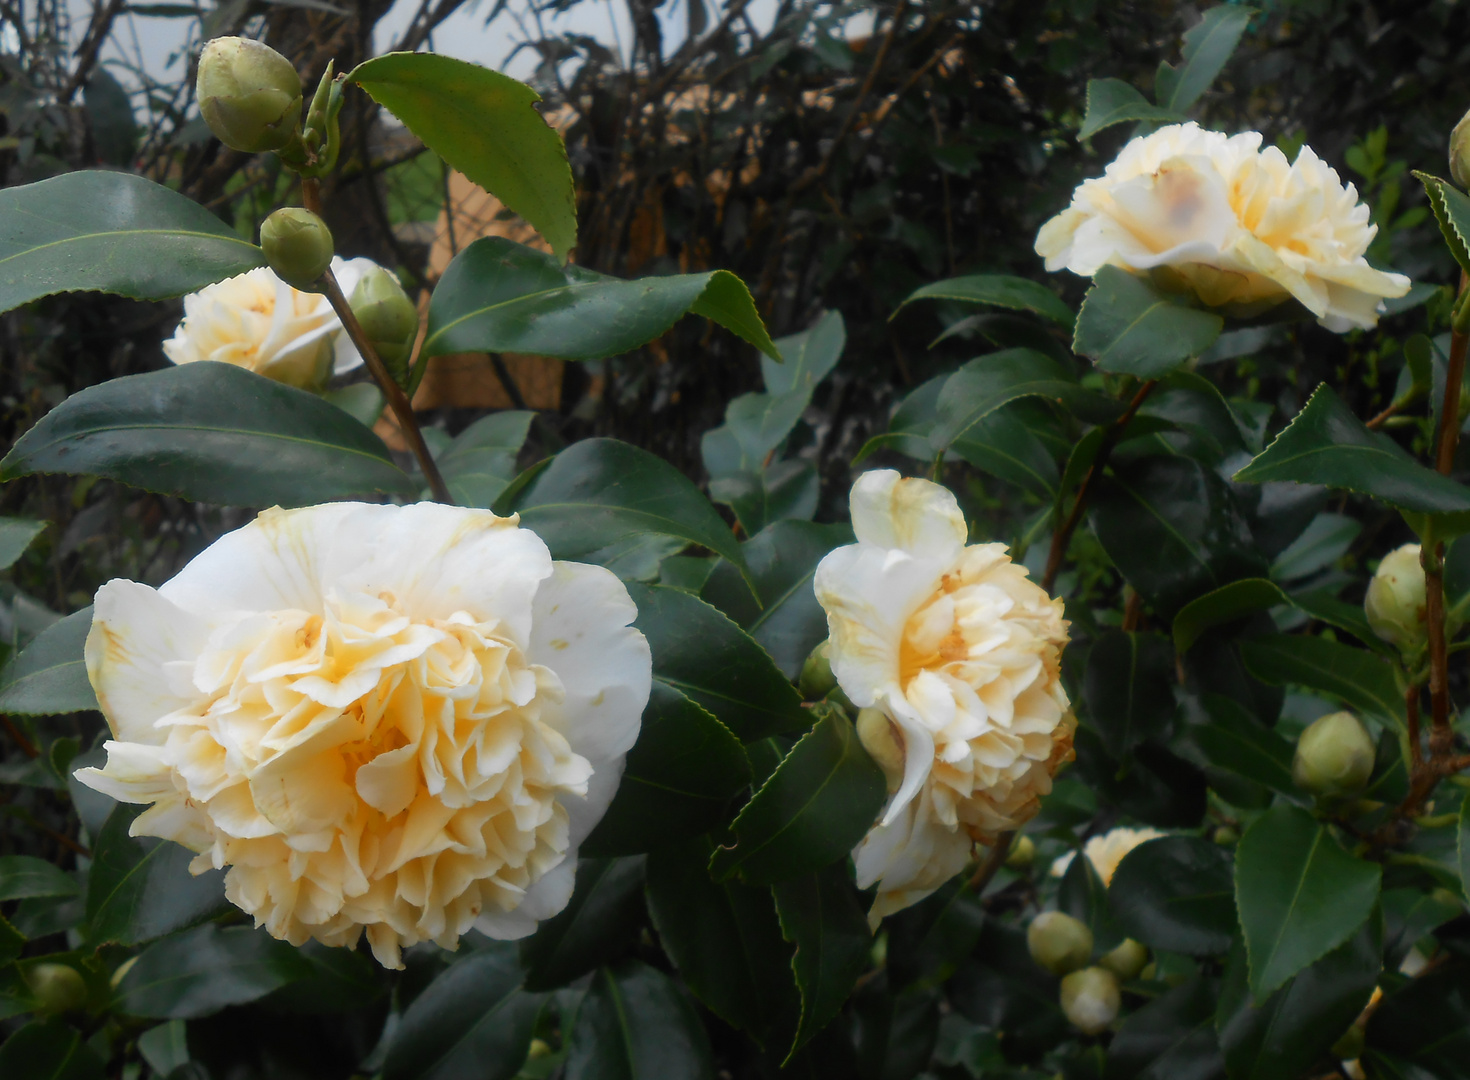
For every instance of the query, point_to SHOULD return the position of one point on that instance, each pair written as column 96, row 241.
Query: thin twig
column 102, row 20
column 507, row 380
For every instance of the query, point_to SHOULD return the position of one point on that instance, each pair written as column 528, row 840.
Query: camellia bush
column 1087, row 745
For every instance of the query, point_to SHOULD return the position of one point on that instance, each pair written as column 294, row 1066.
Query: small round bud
column 1460, row 152
column 880, row 738
column 297, row 245
column 817, row 680
column 1226, row 836
column 249, row 94
column 1334, row 756
column 1126, row 961
column 1090, row 999
column 1022, row 853
column 1395, row 600
column 57, row 987
column 1059, row 942
column 539, row 1048
column 388, row 317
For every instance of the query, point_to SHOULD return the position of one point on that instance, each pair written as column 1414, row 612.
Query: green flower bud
column 389, row 319
column 880, row 738
column 1059, row 942
column 1334, row 756
column 817, row 680
column 57, row 987
column 1126, row 961
column 297, row 245
column 250, row 94
column 1090, row 999
column 1460, row 152
column 1395, row 601
column 1226, row 836
column 1022, row 853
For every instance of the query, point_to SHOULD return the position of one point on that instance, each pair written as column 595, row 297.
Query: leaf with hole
column 1208, row 45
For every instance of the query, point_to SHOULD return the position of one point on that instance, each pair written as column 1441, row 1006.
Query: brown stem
column 1431, row 557
column 1449, row 414
column 1378, row 420
column 994, row 859
column 397, row 399
column 1063, row 536
column 311, row 194
column 102, row 19
column 27, row 747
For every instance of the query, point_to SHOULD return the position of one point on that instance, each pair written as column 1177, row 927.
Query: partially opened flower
column 1237, row 225
column 257, row 321
column 1107, row 851
column 394, row 720
column 957, row 654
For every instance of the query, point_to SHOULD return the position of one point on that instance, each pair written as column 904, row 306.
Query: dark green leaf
column 341, row 980
column 1362, row 680
column 140, row 888
column 819, row 803
column 25, row 875
column 1153, row 784
column 1005, row 447
column 634, row 1024
column 1326, row 444
column 1112, row 101
column 1324, row 541
column 1299, row 894
column 201, row 971
column 809, row 356
column 1225, row 604
column 48, row 1050
column 1170, row 1038
column 473, row 1022
column 1129, row 688
column 210, row 432
column 1237, row 741
column 49, row 675
column 984, row 385
column 110, row 118
column 997, row 290
column 362, row 401
column 1462, row 847
column 1426, row 1022
column 1208, row 44
column 16, row 535
column 483, row 124
column 821, row 916
column 499, row 296
column 1452, row 211
column 1000, row 987
column 1128, row 326
column 1176, row 893
column 1084, row 896
column 928, row 940
column 702, row 654
column 481, row 461
column 1410, row 914
column 592, row 929
column 112, row 232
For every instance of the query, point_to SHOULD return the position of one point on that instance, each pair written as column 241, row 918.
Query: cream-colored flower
column 961, row 653
column 1238, row 225
column 257, row 321
column 394, row 719
column 1105, row 852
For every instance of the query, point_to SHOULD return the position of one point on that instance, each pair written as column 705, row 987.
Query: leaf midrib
column 208, row 430
column 81, row 238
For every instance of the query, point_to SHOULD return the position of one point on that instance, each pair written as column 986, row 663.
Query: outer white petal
column 915, row 516
column 546, row 898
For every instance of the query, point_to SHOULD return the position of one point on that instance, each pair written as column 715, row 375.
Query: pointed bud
column 58, row 988
column 297, row 246
column 817, row 680
column 249, row 94
column 1090, row 999
column 1395, row 600
column 389, row 319
column 881, row 739
column 1334, row 756
column 1460, row 152
column 1059, row 942
column 1126, row 961
column 1022, row 853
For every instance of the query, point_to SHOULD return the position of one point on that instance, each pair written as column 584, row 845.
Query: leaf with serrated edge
column 820, row 915
column 1452, row 212
column 1360, row 679
column 1208, row 45
column 1112, row 101
column 1128, row 326
column 1223, row 605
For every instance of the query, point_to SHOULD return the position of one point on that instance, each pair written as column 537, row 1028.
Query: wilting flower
column 1235, row 224
column 397, row 720
column 257, row 321
column 1105, row 852
column 959, row 654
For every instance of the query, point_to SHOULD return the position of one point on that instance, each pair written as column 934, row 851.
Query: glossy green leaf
column 997, row 290
column 1321, row 544
column 481, row 461
column 49, row 675
column 1170, row 1038
column 210, row 432
column 808, row 357
column 1208, row 44
column 983, row 385
column 635, row 1024
column 639, row 557
column 598, row 491
column 1362, row 680
column 362, row 401
column 726, row 941
column 821, row 916
column 705, row 656
column 1425, row 1022
column 473, row 1022
column 338, row 981
column 1176, row 893
column 165, row 1047
column 140, row 888
column 1225, row 604
column 1326, row 444
column 16, row 535
column 1452, row 212
column 1129, row 688
column 49, row 1050
column 483, row 124
column 1237, row 741
column 785, row 490
column 821, row 800
column 1084, row 896
column 499, row 296
column 1128, row 326
column 201, row 971
column 112, row 232
column 1299, row 895
column 597, row 923
column 1112, row 101
column 1409, row 915
column 23, row 876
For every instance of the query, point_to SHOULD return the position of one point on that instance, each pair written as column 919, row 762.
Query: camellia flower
column 1105, row 852
column 1237, row 225
column 257, row 321
column 401, row 720
column 954, row 655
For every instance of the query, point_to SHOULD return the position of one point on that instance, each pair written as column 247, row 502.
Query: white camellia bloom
column 257, row 321
column 1238, row 225
column 954, row 655
column 394, row 719
column 1105, row 852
